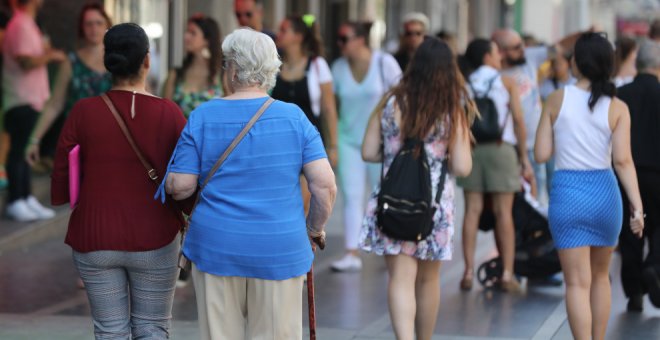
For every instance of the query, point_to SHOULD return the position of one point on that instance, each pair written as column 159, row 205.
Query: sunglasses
column 343, row 39
column 413, row 33
column 516, row 47
column 243, row 14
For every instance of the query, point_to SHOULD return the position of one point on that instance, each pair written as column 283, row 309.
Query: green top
column 188, row 101
column 85, row 82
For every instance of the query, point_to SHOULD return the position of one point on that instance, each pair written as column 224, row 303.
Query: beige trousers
column 237, row 308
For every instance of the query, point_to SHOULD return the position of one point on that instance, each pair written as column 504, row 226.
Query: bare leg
column 402, row 271
column 601, row 292
column 474, row 205
column 427, row 294
column 576, row 265
column 504, row 229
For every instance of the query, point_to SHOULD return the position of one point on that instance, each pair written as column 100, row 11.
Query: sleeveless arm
column 622, row 158
column 519, row 127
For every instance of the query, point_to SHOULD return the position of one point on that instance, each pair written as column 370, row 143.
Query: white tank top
column 583, row 138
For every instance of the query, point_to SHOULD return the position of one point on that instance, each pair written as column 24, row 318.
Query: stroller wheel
column 490, row 272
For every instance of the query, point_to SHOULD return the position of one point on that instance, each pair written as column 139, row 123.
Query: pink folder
column 74, row 176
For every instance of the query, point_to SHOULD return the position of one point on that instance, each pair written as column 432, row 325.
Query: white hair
column 417, row 17
column 253, row 56
column 648, row 55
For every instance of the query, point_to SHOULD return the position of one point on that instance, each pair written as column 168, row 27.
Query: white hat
column 418, row 17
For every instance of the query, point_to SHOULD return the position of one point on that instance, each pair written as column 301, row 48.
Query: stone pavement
column 39, row 298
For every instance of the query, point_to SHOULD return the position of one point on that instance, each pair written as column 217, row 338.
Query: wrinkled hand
column 32, row 154
column 317, row 239
column 637, row 223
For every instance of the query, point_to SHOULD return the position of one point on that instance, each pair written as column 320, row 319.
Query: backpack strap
column 441, row 182
column 485, row 94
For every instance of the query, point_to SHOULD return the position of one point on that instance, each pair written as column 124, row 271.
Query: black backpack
column 405, row 210
column 486, row 129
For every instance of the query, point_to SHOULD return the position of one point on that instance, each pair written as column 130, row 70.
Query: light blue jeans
column 130, row 293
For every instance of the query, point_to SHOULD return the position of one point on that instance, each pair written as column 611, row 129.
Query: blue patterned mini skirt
column 585, row 208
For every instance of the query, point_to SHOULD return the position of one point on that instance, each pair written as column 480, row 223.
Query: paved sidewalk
column 39, row 299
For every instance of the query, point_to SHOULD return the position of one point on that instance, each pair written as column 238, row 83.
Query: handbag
column 184, row 262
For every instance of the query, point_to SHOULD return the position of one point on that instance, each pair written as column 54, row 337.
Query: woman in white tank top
column 587, row 128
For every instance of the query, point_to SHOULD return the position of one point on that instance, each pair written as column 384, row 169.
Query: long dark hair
column 361, row 29
column 594, row 58
column 474, row 55
column 91, row 6
column 624, row 47
column 312, row 42
column 211, row 32
column 431, row 89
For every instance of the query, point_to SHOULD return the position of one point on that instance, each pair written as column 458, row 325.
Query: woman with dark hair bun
column 625, row 54
column 199, row 78
column 124, row 242
column 588, row 129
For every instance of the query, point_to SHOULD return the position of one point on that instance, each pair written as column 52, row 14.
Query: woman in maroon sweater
column 124, row 242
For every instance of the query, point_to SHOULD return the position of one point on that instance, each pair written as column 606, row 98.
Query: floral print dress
column 85, row 82
column 188, row 101
column 438, row 245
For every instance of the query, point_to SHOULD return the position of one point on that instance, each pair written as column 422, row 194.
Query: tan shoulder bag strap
column 151, row 171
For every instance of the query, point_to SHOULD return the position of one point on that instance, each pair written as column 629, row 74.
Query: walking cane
column 310, row 304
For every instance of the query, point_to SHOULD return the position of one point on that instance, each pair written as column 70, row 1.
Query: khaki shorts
column 495, row 169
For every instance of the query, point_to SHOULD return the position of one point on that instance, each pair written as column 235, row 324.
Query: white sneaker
column 348, row 263
column 21, row 212
column 42, row 212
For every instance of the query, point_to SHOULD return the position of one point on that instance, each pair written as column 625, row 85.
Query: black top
column 296, row 92
column 643, row 99
column 403, row 59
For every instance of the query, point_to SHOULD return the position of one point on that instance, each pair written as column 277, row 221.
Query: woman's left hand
column 527, row 172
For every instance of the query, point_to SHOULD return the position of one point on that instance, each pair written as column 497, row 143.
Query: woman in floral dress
column 83, row 76
column 198, row 79
column 428, row 105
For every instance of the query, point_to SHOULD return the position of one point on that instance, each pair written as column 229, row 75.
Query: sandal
column 466, row 283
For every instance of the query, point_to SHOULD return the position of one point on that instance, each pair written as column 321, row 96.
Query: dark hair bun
column 126, row 46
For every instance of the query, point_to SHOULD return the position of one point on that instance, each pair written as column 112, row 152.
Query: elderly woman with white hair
column 248, row 239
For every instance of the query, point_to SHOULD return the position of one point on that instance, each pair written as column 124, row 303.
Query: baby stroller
column 536, row 256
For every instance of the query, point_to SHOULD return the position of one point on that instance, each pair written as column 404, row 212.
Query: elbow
column 623, row 163
column 326, row 191
column 540, row 157
column 370, row 156
column 178, row 191
column 461, row 166
column 462, row 170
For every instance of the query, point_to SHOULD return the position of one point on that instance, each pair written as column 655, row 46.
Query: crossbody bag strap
column 229, row 149
column 151, row 171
